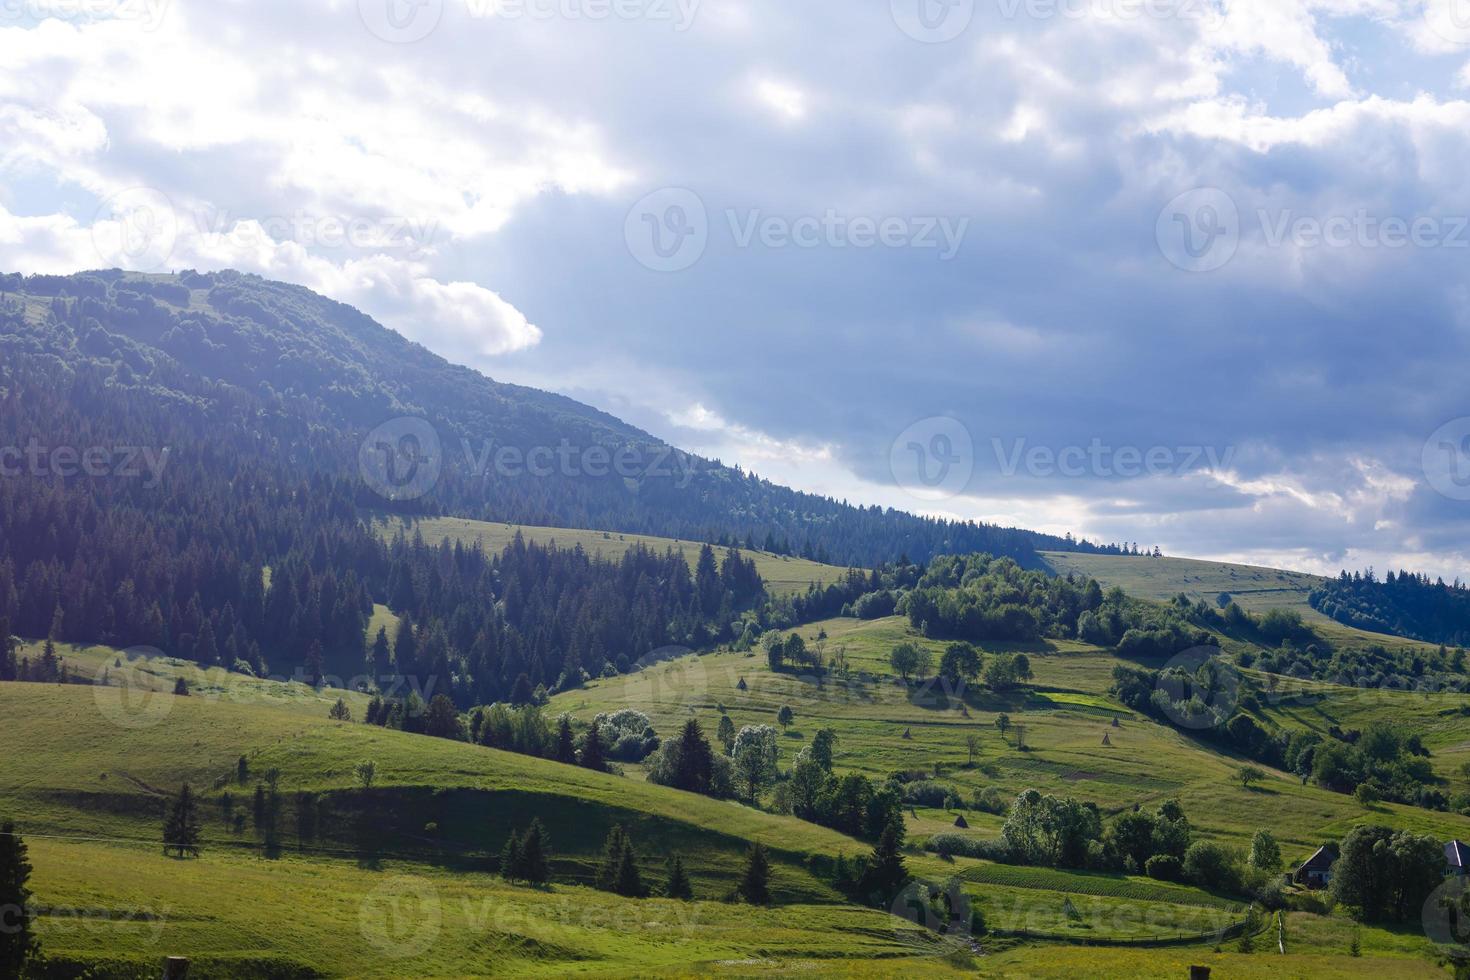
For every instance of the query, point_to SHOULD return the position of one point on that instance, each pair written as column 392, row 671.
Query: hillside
column 90, row 794
column 1255, row 588
column 783, row 574
column 309, row 379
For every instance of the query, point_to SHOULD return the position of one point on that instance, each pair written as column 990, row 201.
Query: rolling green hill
column 89, row 798
column 90, row 792
column 783, row 574
column 1255, row 588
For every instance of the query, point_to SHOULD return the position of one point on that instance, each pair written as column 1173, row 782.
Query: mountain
column 287, row 376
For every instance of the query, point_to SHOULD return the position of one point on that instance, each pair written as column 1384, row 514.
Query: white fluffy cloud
column 473, row 188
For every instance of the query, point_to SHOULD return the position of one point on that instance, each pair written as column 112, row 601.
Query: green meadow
column 397, row 881
column 783, row 574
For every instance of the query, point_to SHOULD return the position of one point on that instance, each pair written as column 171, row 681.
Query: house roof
column 1457, row 854
column 1321, row 860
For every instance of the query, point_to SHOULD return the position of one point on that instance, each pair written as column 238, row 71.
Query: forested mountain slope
column 237, row 360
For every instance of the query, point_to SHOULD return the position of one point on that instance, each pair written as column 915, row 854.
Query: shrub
column 989, row 800
column 927, row 793
column 1210, row 865
column 957, row 845
column 1164, row 867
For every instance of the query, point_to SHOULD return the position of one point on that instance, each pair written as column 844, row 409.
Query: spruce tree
column 17, row 942
column 886, row 873
column 592, row 757
column 612, row 855
column 510, row 857
column 405, row 646
column 181, row 826
column 679, row 886
column 531, row 861
column 755, row 882
column 566, row 747
column 628, row 882
column 380, row 661
column 8, row 665
column 696, row 761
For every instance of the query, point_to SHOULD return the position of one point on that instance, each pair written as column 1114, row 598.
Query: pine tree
column 612, row 855
column 566, row 748
column 510, row 857
column 340, row 711
column 627, row 882
column 380, row 662
column 696, row 761
column 530, row 863
column 181, row 826
column 886, row 873
column 48, row 668
column 679, row 886
column 405, row 647
column 756, row 881
column 726, row 732
column 592, row 757
column 8, row 665
column 17, row 942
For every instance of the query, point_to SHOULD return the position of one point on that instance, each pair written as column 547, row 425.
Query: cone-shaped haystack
column 961, row 823
column 1106, row 740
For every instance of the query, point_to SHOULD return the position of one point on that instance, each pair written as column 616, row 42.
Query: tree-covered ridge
column 1404, row 604
column 240, row 544
column 203, row 342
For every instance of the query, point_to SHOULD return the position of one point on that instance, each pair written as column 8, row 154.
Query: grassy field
column 90, row 793
column 403, row 919
column 781, row 573
column 1255, row 588
column 90, row 796
column 883, row 727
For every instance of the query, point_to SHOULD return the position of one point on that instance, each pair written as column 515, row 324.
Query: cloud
column 482, row 179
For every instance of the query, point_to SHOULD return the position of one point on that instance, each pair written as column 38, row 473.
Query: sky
column 1179, row 272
